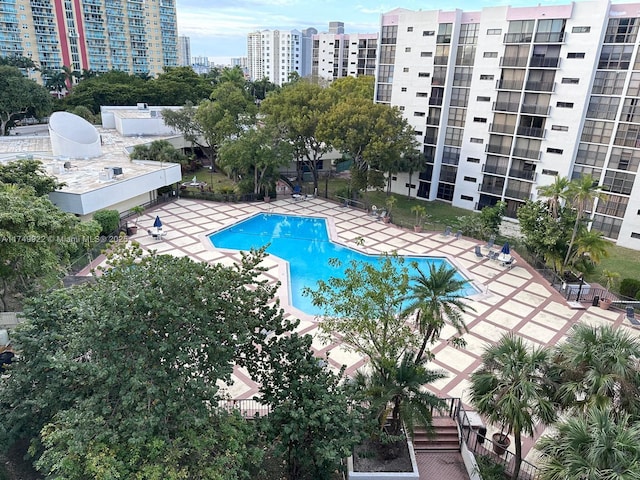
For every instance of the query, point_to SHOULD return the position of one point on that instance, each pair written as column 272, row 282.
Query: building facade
column 338, row 55
column 505, row 99
column 135, row 36
column 274, row 54
column 184, row 51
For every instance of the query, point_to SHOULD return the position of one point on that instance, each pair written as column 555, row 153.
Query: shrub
column 109, row 220
column 630, row 287
column 489, row 469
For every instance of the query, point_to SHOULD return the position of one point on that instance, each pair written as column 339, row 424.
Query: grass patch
column 622, row 260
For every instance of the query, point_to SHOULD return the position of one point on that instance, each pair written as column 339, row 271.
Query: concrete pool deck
column 516, row 299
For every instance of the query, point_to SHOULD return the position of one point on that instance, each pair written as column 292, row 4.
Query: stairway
column 443, row 439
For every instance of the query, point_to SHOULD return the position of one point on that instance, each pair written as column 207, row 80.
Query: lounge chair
column 491, row 241
column 631, row 316
column 447, row 232
column 458, row 235
column 478, row 252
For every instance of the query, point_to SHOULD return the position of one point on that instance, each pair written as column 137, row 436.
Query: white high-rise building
column 275, row 54
column 505, row 99
column 337, row 55
column 184, row 51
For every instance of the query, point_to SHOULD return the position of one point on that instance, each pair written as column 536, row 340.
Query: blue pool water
column 304, row 243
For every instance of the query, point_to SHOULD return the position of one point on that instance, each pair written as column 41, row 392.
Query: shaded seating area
column 157, row 234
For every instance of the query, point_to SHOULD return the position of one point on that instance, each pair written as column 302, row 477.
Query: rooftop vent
column 143, row 106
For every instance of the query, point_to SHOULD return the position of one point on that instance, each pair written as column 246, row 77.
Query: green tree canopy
column 120, row 378
column 29, row 173
column 20, row 96
column 158, row 151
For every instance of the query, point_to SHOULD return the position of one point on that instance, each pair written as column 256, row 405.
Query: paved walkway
column 516, row 299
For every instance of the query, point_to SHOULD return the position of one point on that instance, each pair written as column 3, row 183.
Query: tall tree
column 594, row 445
column 436, row 299
column 20, row 96
column 364, row 307
column 29, row 173
column 298, row 108
column 581, row 193
column 159, row 151
column 556, row 193
column 120, row 377
column 511, row 390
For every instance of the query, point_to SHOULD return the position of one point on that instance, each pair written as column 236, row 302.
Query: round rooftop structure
column 73, row 137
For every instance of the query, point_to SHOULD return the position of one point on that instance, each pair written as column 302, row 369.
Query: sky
column 218, row 28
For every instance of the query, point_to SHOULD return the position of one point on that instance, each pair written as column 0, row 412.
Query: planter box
column 413, row 475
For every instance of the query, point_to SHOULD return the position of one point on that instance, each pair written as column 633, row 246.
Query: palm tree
column 592, row 446
column 556, row 192
column 598, row 366
column 582, row 192
column 511, row 390
column 592, row 246
column 437, row 300
column 397, row 395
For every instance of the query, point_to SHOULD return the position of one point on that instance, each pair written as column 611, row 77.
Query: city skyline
column 220, row 31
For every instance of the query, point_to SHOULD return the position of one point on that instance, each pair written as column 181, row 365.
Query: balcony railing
column 549, row 37
column 540, row 86
column 435, row 100
column 502, row 128
column 492, row 189
column 547, row 62
column 443, row 39
column 433, row 120
column 525, row 153
column 522, row 174
column 499, row 149
column 513, row 62
column 509, row 84
column 496, row 169
column 439, row 80
column 534, row 109
column 431, row 139
column 531, row 132
column 518, row 37
column 518, row 194
column 506, row 107
column 440, row 60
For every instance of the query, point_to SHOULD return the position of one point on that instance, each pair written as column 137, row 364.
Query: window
column 417, row 133
column 597, row 131
column 490, row 54
column 462, row 76
column 635, row 235
column 486, row 77
column 470, row 179
column 550, row 172
column 405, row 69
column 628, row 135
column 575, row 55
column 480, row 119
column 468, row 34
column 476, row 140
column 621, row 30
column 424, row 74
column 615, row 57
column 407, row 49
column 570, row 81
column 483, row 99
column 428, row 33
column 494, row 31
column 555, row 150
column 591, row 154
column 384, row 93
column 453, row 136
column 612, row 83
column 459, row 97
column 473, row 160
column 456, row 117
column 422, row 94
column 560, row 128
column 409, row 29
column 630, row 110
column 466, row 197
column 624, row 159
column 426, row 54
column 450, row 155
column 465, row 54
column 580, row 29
column 401, row 108
column 609, row 226
column 613, row 205
column 564, row 105
column 403, row 89
column 603, row 108
column 419, row 114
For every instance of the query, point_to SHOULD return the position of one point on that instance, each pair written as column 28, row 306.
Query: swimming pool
column 304, row 243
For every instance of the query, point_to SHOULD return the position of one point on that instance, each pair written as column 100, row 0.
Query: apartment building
column 135, row 36
column 184, row 51
column 504, row 99
column 274, row 54
column 337, row 55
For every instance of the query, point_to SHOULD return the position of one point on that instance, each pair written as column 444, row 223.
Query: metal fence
column 248, row 407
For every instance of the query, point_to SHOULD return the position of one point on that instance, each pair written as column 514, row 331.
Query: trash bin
column 596, row 301
column 482, row 433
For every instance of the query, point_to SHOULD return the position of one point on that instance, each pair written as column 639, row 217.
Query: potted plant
column 421, row 214
column 501, row 442
column 391, row 201
column 610, row 278
column 136, row 211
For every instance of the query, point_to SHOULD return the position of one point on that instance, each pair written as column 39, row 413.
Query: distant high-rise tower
column 135, row 36
column 184, row 51
column 274, row 54
column 336, row 27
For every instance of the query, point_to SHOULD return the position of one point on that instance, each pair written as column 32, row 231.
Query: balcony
column 435, row 101
column 549, row 37
column 506, row 107
column 502, row 128
column 523, row 174
column 518, row 37
column 531, row 132
column 545, row 62
column 491, row 189
column 443, row 39
column 513, row 62
column 440, row 60
column 438, row 80
column 433, row 120
column 539, row 86
column 517, row 194
column 431, row 139
column 509, row 84
column 535, row 110
column 498, row 149
column 496, row 169
column 525, row 153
